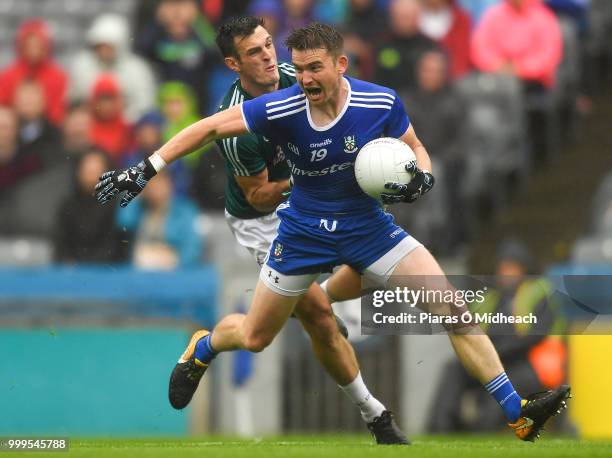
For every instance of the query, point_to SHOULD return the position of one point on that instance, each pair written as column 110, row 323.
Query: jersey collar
column 335, row 121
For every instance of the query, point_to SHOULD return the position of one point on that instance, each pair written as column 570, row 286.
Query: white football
column 381, row 161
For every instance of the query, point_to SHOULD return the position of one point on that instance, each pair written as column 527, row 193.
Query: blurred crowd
column 493, row 87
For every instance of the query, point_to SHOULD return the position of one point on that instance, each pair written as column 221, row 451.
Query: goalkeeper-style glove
column 129, row 181
column 422, row 181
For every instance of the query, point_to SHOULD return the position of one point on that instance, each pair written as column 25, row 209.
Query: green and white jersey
column 250, row 154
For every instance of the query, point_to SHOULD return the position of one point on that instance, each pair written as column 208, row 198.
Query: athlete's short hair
column 242, row 26
column 315, row 36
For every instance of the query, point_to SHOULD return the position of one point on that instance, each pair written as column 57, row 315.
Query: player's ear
column 232, row 63
column 342, row 64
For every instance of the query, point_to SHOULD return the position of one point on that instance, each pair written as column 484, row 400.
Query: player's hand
column 422, row 181
column 129, row 182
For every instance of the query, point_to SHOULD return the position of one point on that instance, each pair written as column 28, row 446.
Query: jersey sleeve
column 243, row 154
column 286, row 72
column 398, row 121
column 255, row 115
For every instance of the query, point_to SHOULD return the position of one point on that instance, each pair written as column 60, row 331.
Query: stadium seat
column 7, row 34
column 6, row 7
column 25, row 252
column 604, row 226
column 568, row 76
column 70, row 7
column 213, row 226
column 57, row 8
column 6, row 56
column 600, row 27
column 124, row 7
column 66, row 35
column 16, row 9
column 495, row 130
column 37, row 200
column 601, row 204
column 69, row 19
column 592, row 250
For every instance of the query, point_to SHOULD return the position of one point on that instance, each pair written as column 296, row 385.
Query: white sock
column 324, row 288
column 369, row 406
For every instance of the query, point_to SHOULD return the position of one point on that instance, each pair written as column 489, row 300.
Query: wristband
column 157, row 162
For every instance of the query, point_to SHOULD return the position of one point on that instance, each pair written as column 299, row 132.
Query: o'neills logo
column 323, row 143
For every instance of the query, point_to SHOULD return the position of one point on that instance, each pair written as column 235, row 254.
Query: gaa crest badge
column 350, row 144
column 278, row 249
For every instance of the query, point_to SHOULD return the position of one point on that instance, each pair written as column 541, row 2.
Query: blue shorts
column 307, row 244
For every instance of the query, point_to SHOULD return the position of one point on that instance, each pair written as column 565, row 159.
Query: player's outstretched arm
column 224, row 124
column 131, row 181
column 422, row 179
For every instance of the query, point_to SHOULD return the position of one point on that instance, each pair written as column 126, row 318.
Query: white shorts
column 256, row 234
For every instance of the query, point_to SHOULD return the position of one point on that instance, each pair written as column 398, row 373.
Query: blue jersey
column 322, row 159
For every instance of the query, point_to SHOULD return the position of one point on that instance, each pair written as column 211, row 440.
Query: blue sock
column 204, row 352
column 506, row 396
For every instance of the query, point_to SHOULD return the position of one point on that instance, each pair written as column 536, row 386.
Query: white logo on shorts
column 325, row 224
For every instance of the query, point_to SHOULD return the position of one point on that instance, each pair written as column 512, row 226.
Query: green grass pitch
column 314, row 446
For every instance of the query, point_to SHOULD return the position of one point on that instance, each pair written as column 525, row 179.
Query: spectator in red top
column 34, row 61
column 109, row 129
column 521, row 37
column 450, row 26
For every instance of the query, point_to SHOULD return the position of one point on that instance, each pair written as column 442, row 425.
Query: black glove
column 129, row 181
column 420, row 184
